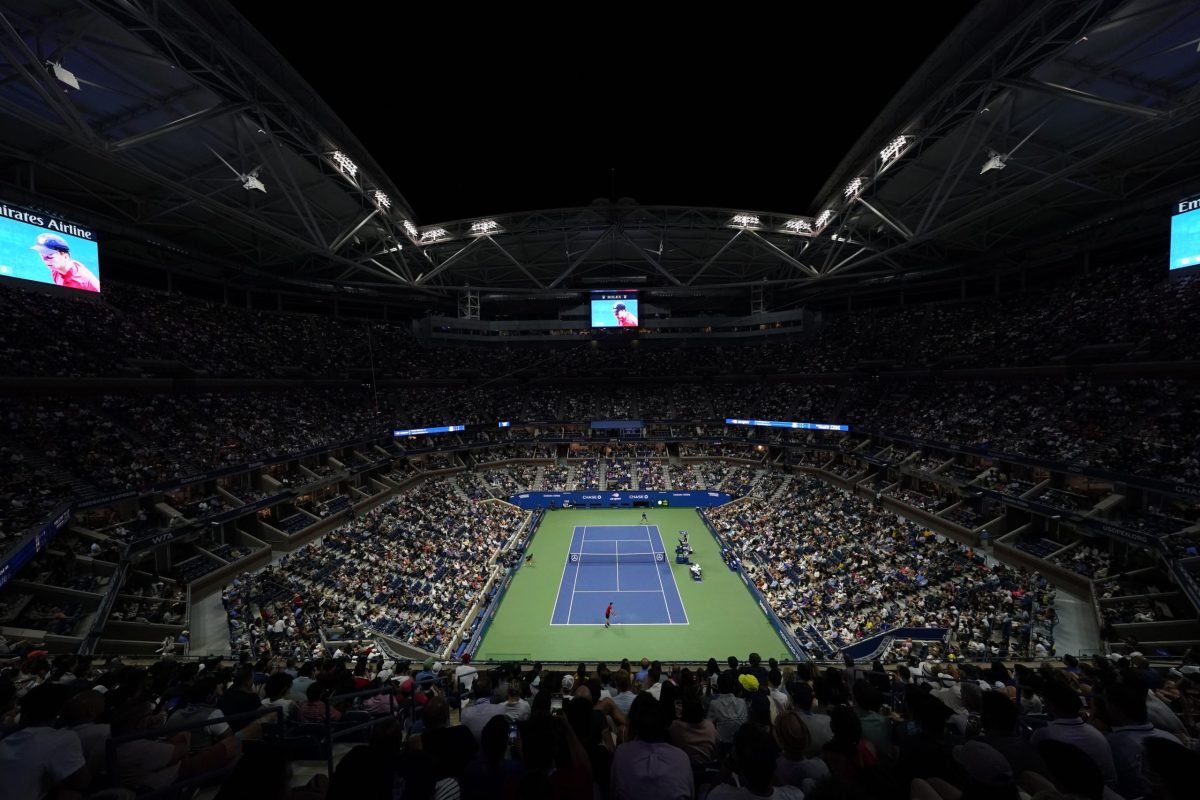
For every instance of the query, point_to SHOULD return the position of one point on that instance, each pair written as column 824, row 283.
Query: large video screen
column 36, row 247
column 1185, row 235
column 614, row 309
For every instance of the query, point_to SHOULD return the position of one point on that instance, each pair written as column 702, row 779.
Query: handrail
column 113, row 742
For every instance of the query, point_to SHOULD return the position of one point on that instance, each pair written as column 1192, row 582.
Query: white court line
column 658, row 574
column 622, row 624
column 678, row 593
column 617, row 556
column 571, row 607
column 562, row 581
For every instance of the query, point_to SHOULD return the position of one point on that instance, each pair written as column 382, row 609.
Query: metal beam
column 714, row 257
column 440, row 268
column 896, row 225
column 182, row 123
column 341, row 240
column 582, row 256
column 771, row 248
column 1057, row 90
column 642, row 252
column 514, row 261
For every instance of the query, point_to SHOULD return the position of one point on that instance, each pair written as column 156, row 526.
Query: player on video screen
column 66, row 271
column 624, row 318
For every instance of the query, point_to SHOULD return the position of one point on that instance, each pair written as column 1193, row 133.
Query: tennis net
column 616, row 558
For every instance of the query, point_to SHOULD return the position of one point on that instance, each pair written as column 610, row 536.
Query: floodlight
column 995, row 161
column 433, row 234
column 854, row 187
column 344, row 163
column 745, row 220
column 410, row 229
column 64, row 75
column 484, row 226
column 893, row 149
column 799, row 225
column 824, row 218
column 382, row 200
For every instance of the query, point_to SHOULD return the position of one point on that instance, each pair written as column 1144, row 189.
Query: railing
column 114, row 588
column 208, row 776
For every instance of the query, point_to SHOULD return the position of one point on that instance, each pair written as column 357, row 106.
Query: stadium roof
column 1036, row 130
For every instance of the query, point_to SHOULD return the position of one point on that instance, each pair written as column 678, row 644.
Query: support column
column 468, row 304
column 757, row 303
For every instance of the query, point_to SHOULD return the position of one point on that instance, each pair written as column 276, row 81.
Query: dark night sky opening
column 478, row 117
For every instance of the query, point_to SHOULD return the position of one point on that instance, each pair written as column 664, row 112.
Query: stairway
column 782, row 491
column 458, row 490
column 539, row 479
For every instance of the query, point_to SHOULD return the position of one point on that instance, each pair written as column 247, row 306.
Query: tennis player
column 608, row 615
column 644, row 516
column 624, row 318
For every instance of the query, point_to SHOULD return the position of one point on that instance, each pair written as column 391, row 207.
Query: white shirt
column 34, row 759
column 518, row 711
column 466, row 675
column 476, row 715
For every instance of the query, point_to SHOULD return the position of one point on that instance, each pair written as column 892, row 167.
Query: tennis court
column 714, row 617
column 625, row 565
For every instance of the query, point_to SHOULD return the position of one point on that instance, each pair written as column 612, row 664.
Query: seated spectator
column 314, row 709
column 793, row 767
column 850, row 758
column 754, row 764
column 1125, row 704
column 148, row 763
column 450, row 747
column 476, row 715
column 492, row 776
column 693, row 732
column 727, row 710
column 80, row 715
column 200, row 699
column 516, row 708
column 646, row 767
column 37, row 759
column 277, row 690
column 1066, row 726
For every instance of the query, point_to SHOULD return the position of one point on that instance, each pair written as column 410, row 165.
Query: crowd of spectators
column 410, row 568
column 1101, row 729
column 824, row 557
column 124, row 442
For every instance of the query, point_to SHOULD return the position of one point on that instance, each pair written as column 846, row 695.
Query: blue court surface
column 626, row 565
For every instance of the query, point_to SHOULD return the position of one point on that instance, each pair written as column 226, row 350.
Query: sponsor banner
column 105, row 499
column 34, row 543
column 775, row 423
column 530, row 500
